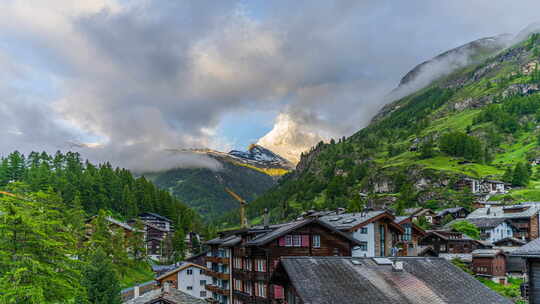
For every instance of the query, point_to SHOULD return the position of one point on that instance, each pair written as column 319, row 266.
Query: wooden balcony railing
column 220, row 260
column 218, row 275
column 217, row 289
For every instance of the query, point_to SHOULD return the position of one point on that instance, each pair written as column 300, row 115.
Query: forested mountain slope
column 248, row 173
column 479, row 121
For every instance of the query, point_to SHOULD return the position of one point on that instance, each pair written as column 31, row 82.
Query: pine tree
column 179, row 245
column 521, row 175
column 35, row 250
column 100, row 279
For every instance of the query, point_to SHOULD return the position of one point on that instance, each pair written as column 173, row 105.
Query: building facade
column 249, row 257
column 188, row 278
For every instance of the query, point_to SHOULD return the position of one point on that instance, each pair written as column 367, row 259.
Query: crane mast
column 243, row 203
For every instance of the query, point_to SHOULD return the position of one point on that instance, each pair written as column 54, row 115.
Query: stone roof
column 486, row 253
column 346, row 280
column 498, row 212
column 531, row 249
column 465, row 257
column 511, row 239
column 448, row 211
column 350, row 220
column 174, row 296
column 485, row 223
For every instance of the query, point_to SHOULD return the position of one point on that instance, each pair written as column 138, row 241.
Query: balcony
column 242, row 296
column 218, row 289
column 219, row 260
column 218, row 275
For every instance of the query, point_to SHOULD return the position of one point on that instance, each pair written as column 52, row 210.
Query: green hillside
column 480, row 121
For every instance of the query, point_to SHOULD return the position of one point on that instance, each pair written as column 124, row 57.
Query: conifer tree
column 100, row 279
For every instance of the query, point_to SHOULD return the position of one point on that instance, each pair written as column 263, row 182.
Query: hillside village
column 424, row 193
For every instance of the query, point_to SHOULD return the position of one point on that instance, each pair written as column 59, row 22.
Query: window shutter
column 305, row 240
column 278, row 292
column 282, row 241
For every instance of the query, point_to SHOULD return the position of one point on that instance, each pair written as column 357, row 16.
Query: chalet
column 490, row 263
column 157, row 220
column 188, row 278
column 412, row 233
column 484, row 204
column 165, row 295
column 377, row 231
column 509, row 242
column 491, row 229
column 330, row 280
column 455, row 213
column 416, row 213
column 523, row 217
column 531, row 253
column 241, row 262
column 444, row 241
column 482, row 186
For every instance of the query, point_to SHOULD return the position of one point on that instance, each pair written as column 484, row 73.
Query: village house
column 157, row 220
column 490, row 263
column 531, row 253
column 482, row 186
column 491, row 229
column 241, row 262
column 377, row 231
column 451, row 242
column 165, row 295
column 483, row 204
column 523, row 217
column 187, row 277
column 412, row 233
column 416, row 280
column 416, row 213
column 454, row 213
column 157, row 229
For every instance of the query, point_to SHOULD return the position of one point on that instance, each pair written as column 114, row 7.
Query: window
column 288, row 240
column 363, row 246
column 203, row 294
column 316, row 241
column 189, row 271
column 297, row 240
column 363, row 230
column 260, row 289
column 201, row 271
column 238, row 263
column 247, row 265
column 248, row 288
column 203, row 282
column 260, row 265
column 237, row 285
column 190, row 288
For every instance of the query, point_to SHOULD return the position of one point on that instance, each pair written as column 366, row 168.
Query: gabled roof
column 289, row 227
column 174, row 296
column 482, row 223
column 451, row 236
column 226, row 241
column 350, row 221
column 498, row 212
column 531, row 249
column 346, row 280
column 161, row 217
column 444, row 212
column 486, row 253
column 514, row 240
column 180, row 268
column 119, row 223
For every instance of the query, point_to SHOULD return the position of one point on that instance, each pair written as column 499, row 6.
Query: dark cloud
column 147, row 76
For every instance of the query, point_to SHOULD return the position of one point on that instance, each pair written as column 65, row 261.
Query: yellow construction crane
column 9, row 194
column 243, row 203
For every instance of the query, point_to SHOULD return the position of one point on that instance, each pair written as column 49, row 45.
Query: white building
column 189, row 278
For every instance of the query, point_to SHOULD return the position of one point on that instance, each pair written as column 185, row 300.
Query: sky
column 129, row 81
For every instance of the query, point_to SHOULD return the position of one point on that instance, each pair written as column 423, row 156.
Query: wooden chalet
column 455, row 213
column 416, row 213
column 444, row 241
column 531, row 253
column 412, row 234
column 490, row 263
column 241, row 262
column 523, row 217
column 377, row 231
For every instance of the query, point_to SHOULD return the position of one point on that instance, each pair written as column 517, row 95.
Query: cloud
column 137, row 78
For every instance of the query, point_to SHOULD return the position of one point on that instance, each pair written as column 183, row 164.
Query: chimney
column 136, row 292
column 266, row 218
column 397, row 266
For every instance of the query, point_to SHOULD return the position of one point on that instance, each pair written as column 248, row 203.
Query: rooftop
column 328, row 280
column 531, row 249
column 350, row 220
column 173, row 296
column 498, row 211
